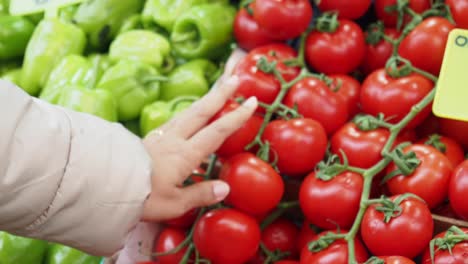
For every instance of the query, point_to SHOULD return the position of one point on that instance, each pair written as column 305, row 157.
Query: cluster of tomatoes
column 335, row 167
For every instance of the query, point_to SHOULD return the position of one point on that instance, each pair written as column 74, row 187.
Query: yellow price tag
column 451, row 98
column 26, row 7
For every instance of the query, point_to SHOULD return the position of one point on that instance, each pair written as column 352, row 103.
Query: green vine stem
column 279, row 211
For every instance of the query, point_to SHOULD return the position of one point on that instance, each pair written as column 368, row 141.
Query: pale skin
column 179, row 147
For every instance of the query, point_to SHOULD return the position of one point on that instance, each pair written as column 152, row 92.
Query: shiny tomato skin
column 457, row 255
column 248, row 34
column 451, row 149
column 167, row 240
column 306, row 234
column 458, row 188
column 221, row 232
column 378, row 54
column 350, row 9
column 455, row 129
column 390, row 18
column 281, row 235
column 459, row 9
column 349, row 89
column 397, row 260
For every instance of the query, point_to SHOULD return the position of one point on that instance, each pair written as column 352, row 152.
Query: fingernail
column 251, row 102
column 220, row 190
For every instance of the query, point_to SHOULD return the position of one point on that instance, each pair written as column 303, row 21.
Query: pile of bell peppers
column 136, row 62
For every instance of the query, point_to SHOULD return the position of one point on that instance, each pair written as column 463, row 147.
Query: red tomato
column 390, row 18
column 315, row 100
column 452, row 150
column 353, row 142
column 431, row 35
column 227, row 236
column 318, row 199
column 430, row 179
column 339, row 52
column 348, row 88
column 237, row 141
column 306, row 235
column 287, row 262
column 458, row 188
column 378, row 54
column 455, row 129
column 248, row 33
column 350, row 9
column 256, row 188
column 169, row 239
column 459, row 9
column 457, row 255
column 396, row 260
column 394, row 98
column 281, row 235
column 254, row 82
column 298, row 144
column 283, row 19
column 336, row 253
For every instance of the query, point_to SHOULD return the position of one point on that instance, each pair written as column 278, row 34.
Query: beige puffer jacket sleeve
column 68, row 177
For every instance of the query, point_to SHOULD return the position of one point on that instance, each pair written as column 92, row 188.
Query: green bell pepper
column 15, row 32
column 72, row 70
column 4, row 6
column 102, row 19
column 51, row 41
column 19, row 250
column 101, row 63
column 159, row 112
column 193, row 78
column 133, row 85
column 9, row 65
column 96, row 102
column 165, row 12
column 59, row 254
column 13, row 76
column 141, row 45
column 204, row 31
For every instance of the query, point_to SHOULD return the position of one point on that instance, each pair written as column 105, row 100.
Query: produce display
column 343, row 161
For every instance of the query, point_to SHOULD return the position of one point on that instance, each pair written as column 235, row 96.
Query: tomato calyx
column 324, row 241
column 391, row 209
column 375, row 33
column 439, row 8
column 434, row 141
column 406, row 163
column 375, row 260
column 327, row 22
column 369, row 122
column 273, row 256
column 332, row 167
column 452, row 237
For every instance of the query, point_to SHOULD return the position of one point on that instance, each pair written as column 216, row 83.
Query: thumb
column 205, row 193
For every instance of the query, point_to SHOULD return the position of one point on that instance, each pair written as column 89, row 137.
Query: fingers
column 204, row 194
column 211, row 137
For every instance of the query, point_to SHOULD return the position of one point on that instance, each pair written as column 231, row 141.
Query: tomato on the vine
column 430, row 35
column 297, row 144
column 283, row 19
column 455, row 129
column 394, row 98
column 429, row 180
column 314, row 99
column 452, row 150
column 348, row 88
column 390, row 18
column 169, row 239
column 377, row 54
column 340, row 51
column 226, row 236
column 238, row 140
column 396, row 260
column 406, row 234
column 459, row 9
column 254, row 82
column 456, row 255
column 256, row 187
column 458, row 188
column 248, row 34
column 350, row 9
column 281, row 235
column 306, row 234
column 331, row 203
column 336, row 252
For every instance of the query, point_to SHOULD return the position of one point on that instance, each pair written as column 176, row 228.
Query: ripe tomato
column 315, row 100
column 254, row 82
column 243, row 172
column 226, row 236
column 459, row 9
column 248, row 33
column 318, row 199
column 457, row 255
column 169, row 239
column 353, row 142
column 377, row 54
column 283, row 19
column 339, row 52
column 281, row 235
column 336, row 253
column 394, row 98
column 396, row 260
column 287, row 262
column 351, row 9
column 390, row 18
column 298, row 144
column 405, row 235
column 237, row 141
column 452, row 150
column 348, row 88
column 306, row 234
column 458, row 188
column 431, row 34
column 455, row 129
column 429, row 180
